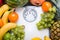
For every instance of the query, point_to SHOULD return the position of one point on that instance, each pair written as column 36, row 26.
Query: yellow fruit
column 3, row 9
column 5, row 17
column 36, row 38
column 46, row 38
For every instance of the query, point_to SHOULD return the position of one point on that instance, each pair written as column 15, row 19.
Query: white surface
column 31, row 30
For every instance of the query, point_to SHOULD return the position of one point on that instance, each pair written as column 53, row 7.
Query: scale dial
column 30, row 15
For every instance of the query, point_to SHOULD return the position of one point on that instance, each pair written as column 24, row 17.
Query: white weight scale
column 29, row 16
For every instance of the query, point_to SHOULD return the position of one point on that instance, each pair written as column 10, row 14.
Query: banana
column 5, row 17
column 3, row 9
column 6, row 28
column 46, row 38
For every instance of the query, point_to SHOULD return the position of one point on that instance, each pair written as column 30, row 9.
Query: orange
column 45, row 6
column 13, row 17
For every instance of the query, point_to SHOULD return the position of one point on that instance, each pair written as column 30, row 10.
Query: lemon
column 36, row 38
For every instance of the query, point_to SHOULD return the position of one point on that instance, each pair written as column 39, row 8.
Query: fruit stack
column 8, row 18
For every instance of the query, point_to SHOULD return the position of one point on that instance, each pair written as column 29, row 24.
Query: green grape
column 54, row 9
column 42, row 22
column 18, row 38
column 45, row 25
column 48, row 15
column 7, row 36
column 41, row 27
column 22, row 27
column 50, row 9
column 15, row 32
column 49, row 25
column 52, row 22
column 22, row 39
column 21, row 31
column 51, row 16
column 22, row 36
column 45, row 16
column 18, row 35
column 49, row 19
column 5, row 39
column 46, row 20
column 42, row 14
column 38, row 24
column 12, row 36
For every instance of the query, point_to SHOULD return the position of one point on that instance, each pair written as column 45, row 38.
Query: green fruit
column 46, row 19
column 16, row 3
column 7, row 36
column 54, row 9
column 50, row 10
column 15, row 34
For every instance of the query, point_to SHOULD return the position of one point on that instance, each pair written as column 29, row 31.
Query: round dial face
column 30, row 15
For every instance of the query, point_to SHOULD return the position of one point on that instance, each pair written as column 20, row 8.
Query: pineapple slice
column 46, row 38
column 36, row 38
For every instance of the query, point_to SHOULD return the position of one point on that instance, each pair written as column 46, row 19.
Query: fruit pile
column 8, row 18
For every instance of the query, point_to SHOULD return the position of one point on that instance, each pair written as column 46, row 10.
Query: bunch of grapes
column 15, row 34
column 46, row 19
